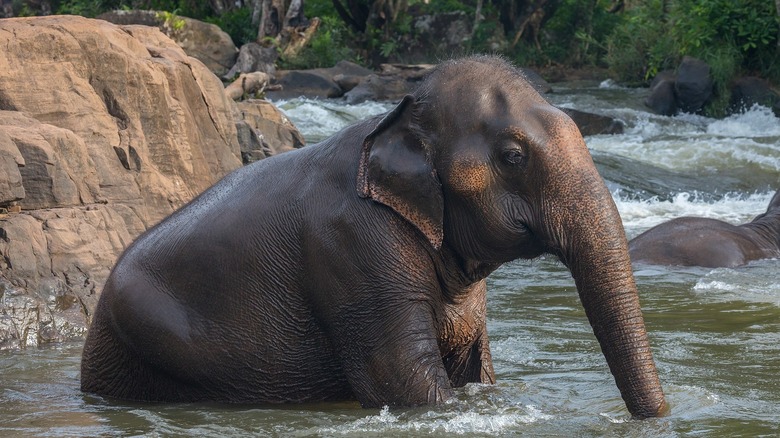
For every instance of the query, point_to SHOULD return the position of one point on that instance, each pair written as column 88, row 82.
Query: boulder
column 750, row 90
column 693, row 86
column 594, row 124
column 358, row 84
column 264, row 130
column 111, row 128
column 253, row 57
column 376, row 87
column 662, row 98
column 391, row 83
column 203, row 41
column 248, row 84
column 317, row 83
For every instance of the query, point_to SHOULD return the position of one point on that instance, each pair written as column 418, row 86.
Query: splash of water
column 758, row 121
column 732, row 208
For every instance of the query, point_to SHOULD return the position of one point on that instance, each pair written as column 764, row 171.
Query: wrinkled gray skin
column 710, row 243
column 354, row 268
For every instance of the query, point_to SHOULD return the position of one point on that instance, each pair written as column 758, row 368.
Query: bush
column 730, row 36
column 576, row 32
column 238, row 24
column 328, row 46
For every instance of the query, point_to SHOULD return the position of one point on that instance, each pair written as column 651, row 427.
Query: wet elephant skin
column 710, row 243
column 355, row 268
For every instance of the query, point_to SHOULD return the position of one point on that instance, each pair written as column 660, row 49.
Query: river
column 715, row 332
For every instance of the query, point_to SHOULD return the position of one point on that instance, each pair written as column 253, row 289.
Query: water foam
column 753, row 283
column 758, row 121
column 496, row 421
column 317, row 119
column 732, row 208
column 692, row 142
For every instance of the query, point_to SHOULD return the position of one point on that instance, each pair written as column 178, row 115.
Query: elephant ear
column 396, row 170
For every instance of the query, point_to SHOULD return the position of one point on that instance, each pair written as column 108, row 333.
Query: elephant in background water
column 710, row 243
column 355, row 268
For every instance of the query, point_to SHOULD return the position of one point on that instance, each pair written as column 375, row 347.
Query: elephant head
column 490, row 171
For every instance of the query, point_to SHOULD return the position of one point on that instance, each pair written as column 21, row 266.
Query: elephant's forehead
column 492, row 113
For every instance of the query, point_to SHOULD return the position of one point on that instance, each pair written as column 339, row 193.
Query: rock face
column 203, row 41
column 253, row 57
column 268, row 131
column 104, row 131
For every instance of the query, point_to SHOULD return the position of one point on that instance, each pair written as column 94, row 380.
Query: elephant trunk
column 590, row 238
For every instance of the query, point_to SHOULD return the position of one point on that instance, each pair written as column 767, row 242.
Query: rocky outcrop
column 693, row 86
column 203, row 41
column 110, row 129
column 690, row 89
column 357, row 84
column 264, row 131
column 320, row 83
column 750, row 90
column 594, row 124
column 662, row 99
column 253, row 57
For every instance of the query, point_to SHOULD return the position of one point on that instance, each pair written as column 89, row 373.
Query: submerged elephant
column 355, row 268
column 710, row 243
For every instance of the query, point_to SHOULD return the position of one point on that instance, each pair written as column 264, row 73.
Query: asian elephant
column 710, row 243
column 355, row 269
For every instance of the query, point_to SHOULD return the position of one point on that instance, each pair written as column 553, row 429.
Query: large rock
column 391, row 83
column 662, row 98
column 750, row 90
column 693, row 86
column 376, row 87
column 11, row 187
column 594, row 124
column 203, row 41
column 110, row 129
column 253, row 57
column 264, row 131
column 315, row 83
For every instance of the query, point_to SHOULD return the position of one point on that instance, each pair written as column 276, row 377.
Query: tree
column 277, row 15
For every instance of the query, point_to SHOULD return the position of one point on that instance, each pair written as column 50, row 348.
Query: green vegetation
column 328, row 46
column 732, row 37
column 635, row 39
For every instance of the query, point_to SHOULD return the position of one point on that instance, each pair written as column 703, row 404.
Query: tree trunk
column 478, row 18
column 257, row 11
column 218, row 6
column 298, row 40
column 271, row 19
column 294, row 16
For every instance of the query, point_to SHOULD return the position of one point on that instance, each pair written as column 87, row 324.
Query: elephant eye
column 513, row 156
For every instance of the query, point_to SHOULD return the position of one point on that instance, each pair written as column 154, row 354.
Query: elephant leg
column 471, row 363
column 394, row 359
column 112, row 369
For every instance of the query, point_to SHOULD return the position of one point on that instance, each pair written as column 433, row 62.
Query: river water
column 715, row 332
